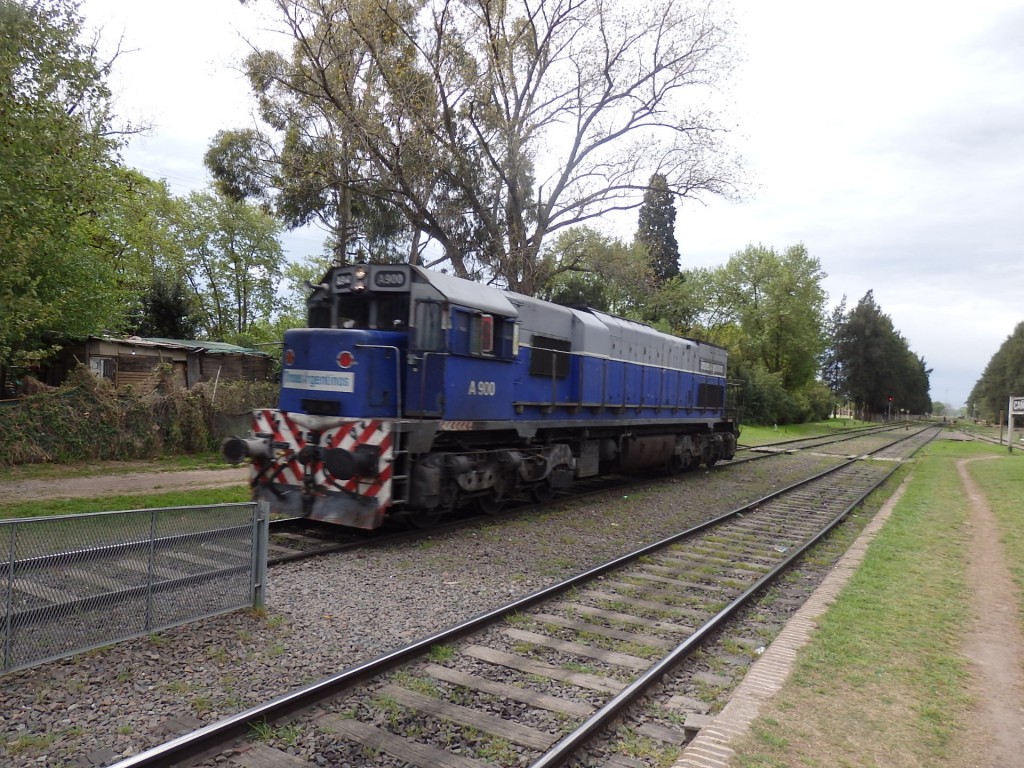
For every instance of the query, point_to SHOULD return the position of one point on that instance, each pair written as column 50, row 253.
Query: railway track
column 544, row 680
column 190, row 558
column 750, row 453
column 297, row 538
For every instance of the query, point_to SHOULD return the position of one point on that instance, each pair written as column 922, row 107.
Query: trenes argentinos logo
column 319, row 381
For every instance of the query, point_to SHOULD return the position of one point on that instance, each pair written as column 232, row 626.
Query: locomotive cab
column 390, row 351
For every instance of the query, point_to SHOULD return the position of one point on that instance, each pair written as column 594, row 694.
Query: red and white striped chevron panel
column 294, row 428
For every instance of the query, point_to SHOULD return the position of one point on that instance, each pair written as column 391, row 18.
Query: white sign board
column 1016, row 409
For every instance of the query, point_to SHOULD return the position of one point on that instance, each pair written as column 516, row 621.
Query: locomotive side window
column 429, row 332
column 483, row 335
column 549, row 357
column 318, row 310
column 509, row 339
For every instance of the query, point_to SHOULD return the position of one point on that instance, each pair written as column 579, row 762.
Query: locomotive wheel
column 542, row 493
column 677, row 464
column 424, row 519
column 489, row 504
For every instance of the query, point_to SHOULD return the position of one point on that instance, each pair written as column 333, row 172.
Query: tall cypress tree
column 656, row 229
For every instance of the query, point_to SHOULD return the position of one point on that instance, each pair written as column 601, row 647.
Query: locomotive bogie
column 419, row 392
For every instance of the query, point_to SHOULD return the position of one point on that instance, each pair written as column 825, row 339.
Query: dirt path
column 993, row 734
column 994, row 644
column 131, row 483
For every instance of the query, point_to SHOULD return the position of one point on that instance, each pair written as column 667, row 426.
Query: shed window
column 102, row 367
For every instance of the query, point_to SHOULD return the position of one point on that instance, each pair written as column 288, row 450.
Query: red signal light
column 345, row 359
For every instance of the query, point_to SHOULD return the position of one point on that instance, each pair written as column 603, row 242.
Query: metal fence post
column 8, row 623
column 260, row 551
column 151, row 568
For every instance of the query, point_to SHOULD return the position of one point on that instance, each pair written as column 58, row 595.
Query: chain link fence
column 75, row 582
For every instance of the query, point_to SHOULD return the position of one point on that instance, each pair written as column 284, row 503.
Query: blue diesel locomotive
column 413, row 392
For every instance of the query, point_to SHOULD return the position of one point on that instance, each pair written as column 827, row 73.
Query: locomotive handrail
column 398, row 372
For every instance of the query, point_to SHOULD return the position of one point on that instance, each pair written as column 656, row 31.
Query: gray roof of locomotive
column 590, row 331
column 466, row 293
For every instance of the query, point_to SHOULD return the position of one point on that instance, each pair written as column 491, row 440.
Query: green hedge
column 87, row 419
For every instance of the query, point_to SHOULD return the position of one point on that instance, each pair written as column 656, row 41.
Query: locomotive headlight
column 344, row 465
column 359, row 278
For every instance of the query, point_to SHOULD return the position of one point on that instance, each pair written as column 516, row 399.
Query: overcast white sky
column 887, row 136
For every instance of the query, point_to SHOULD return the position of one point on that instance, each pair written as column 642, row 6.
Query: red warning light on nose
column 289, row 357
column 345, row 359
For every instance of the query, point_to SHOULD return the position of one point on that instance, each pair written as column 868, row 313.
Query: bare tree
column 491, row 125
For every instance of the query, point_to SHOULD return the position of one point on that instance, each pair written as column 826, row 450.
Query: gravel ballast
column 327, row 614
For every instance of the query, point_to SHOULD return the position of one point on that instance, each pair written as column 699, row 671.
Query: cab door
column 426, row 363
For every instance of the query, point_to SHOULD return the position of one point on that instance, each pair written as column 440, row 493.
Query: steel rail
column 207, row 739
column 213, row 736
column 570, row 745
column 515, row 507
column 849, row 434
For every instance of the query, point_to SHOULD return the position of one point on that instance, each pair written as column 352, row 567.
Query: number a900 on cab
column 413, row 393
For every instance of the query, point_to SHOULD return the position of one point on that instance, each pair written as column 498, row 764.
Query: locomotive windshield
column 383, row 312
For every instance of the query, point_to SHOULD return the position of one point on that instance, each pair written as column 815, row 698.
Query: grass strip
column 192, row 498
column 97, row 468
column 758, row 435
column 883, row 683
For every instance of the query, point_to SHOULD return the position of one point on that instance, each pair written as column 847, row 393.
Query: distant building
column 133, row 361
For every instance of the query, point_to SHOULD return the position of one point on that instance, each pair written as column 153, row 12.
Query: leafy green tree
column 298, row 276
column 877, row 364
column 913, row 390
column 656, row 229
column 767, row 309
column 138, row 231
column 491, row 126
column 168, row 310
column 232, row 260
column 687, row 305
column 1002, row 378
column 778, row 302
column 594, row 270
column 58, row 181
